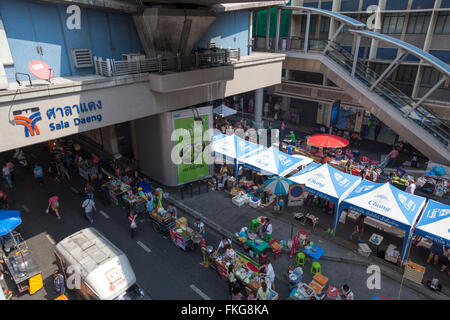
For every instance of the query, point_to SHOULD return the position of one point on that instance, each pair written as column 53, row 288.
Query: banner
column 191, row 171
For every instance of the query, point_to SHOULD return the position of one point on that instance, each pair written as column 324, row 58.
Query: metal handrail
column 386, row 90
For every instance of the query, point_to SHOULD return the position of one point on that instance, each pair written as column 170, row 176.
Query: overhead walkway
column 409, row 118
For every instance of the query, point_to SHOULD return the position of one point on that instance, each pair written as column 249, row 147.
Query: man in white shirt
column 224, row 244
column 88, row 205
column 269, row 275
column 412, row 187
column 347, row 294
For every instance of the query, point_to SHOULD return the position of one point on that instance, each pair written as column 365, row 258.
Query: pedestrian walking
column 89, row 191
column 53, row 202
column 59, row 285
column 38, row 174
column 392, row 157
column 88, row 205
column 11, row 170
column 133, row 225
column 7, row 175
column 63, row 170
column 3, row 199
column 359, row 228
column 231, row 279
column 282, row 129
column 54, row 171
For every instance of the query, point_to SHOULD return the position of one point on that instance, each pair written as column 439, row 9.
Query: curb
column 386, row 271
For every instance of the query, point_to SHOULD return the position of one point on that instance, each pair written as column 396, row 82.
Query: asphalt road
column 163, row 270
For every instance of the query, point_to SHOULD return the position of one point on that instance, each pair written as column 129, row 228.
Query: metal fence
column 202, row 59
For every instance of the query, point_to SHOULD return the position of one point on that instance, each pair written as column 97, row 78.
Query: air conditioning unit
column 82, row 58
column 133, row 56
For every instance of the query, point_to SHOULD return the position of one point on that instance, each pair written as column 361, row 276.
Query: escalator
column 420, row 127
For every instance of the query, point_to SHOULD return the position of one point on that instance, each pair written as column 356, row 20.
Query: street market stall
column 116, row 189
column 386, row 203
column 21, row 265
column 434, row 223
column 328, row 183
column 272, row 161
column 182, row 236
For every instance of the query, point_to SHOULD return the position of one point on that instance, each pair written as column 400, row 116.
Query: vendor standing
column 268, row 273
column 348, row 166
column 172, row 211
column 224, row 244
column 200, row 227
column 265, row 230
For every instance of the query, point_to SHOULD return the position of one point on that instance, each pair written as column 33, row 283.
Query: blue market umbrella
column 278, row 185
column 9, row 220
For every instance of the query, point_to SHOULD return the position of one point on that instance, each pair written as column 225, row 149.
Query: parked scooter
column 20, row 157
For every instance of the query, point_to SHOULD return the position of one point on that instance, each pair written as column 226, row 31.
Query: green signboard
column 190, row 169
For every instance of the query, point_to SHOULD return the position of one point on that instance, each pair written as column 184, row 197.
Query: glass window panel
column 440, row 23
column 400, row 22
column 446, row 28
column 419, row 24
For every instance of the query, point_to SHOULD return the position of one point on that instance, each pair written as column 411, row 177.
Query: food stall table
column 257, row 246
column 303, row 292
column 315, row 252
column 25, row 272
column 375, row 240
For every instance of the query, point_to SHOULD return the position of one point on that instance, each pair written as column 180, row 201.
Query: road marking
column 104, row 214
column 25, row 208
column 147, row 249
column 199, row 292
column 74, row 190
column 50, row 239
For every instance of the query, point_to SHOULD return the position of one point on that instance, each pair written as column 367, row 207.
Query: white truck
column 96, row 268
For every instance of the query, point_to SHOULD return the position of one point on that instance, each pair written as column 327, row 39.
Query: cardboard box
column 414, row 272
column 181, row 222
column 364, row 249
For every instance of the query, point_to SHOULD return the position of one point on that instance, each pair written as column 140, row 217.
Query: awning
column 386, row 203
column 224, row 111
column 235, row 147
column 9, row 220
column 435, row 223
column 301, row 176
column 272, row 161
column 330, row 183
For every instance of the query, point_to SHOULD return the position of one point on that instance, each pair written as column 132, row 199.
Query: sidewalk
column 341, row 263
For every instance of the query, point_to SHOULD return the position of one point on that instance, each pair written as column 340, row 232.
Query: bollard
column 192, row 193
column 199, row 186
column 207, row 186
column 182, row 193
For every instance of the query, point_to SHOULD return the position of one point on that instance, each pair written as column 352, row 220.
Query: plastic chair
column 301, row 259
column 275, row 252
column 316, row 268
column 268, row 238
column 255, row 224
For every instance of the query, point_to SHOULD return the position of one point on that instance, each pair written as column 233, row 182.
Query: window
column 418, row 22
column 380, row 67
column 324, row 25
column 406, row 74
column 442, row 23
column 430, row 76
column 393, row 23
column 312, row 23
column 5, row 52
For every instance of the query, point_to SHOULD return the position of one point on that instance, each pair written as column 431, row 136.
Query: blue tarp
column 9, row 219
column 435, row 223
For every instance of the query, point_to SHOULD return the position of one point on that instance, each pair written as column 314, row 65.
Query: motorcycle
column 20, row 157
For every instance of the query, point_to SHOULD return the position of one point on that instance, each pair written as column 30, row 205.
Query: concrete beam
column 227, row 7
column 128, row 6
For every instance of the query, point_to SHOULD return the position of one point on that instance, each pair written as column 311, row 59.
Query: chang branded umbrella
column 325, row 140
column 278, row 185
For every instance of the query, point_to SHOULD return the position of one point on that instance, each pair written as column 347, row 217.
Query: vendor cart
column 304, row 292
column 160, row 224
column 181, row 238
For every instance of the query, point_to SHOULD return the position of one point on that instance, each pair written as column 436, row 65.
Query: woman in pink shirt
column 53, row 201
column 392, row 156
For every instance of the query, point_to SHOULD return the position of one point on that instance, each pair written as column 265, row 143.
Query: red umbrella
column 325, row 140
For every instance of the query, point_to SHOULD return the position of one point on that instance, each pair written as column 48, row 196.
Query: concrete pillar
column 259, row 99
column 285, row 101
column 378, row 25
column 277, row 37
column 134, row 140
column 250, row 32
column 110, row 140
column 268, row 29
column 426, row 46
column 336, row 7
